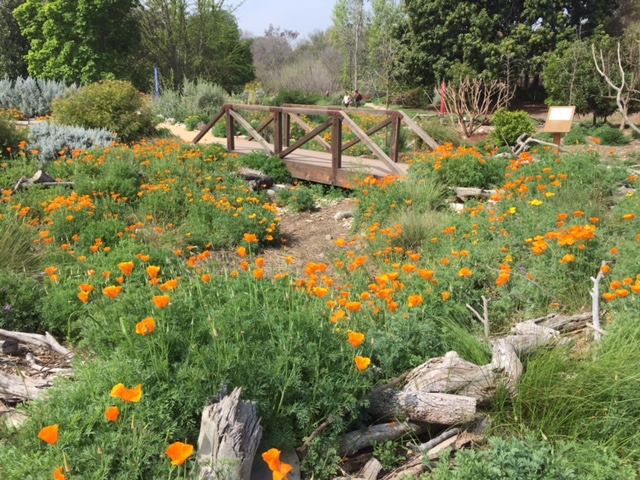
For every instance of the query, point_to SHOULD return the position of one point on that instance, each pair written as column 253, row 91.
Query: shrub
column 441, row 133
column 271, row 165
column 192, row 122
column 20, row 298
column 577, row 136
column 198, row 99
column 414, row 98
column 297, row 97
column 51, row 139
column 9, row 136
column 611, row 136
column 299, row 199
column 33, row 97
column 514, row 459
column 112, row 105
column 510, row 125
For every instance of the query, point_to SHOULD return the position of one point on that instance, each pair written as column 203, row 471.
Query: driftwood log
column 42, row 179
column 448, row 390
column 256, row 179
column 24, row 378
column 230, row 432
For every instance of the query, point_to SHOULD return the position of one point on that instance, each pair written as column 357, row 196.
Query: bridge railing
column 280, row 119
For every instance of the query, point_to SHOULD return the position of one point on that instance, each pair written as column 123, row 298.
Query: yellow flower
column 535, row 202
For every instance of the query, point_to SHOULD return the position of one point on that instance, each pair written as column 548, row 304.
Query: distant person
column 357, row 96
column 327, row 93
column 346, row 100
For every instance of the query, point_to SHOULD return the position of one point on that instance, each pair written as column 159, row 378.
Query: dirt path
column 310, row 236
column 180, row 131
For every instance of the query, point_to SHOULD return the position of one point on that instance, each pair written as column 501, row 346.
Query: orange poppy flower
column 51, row 270
column 465, row 272
column 84, row 297
column 170, row 285
column 279, row 469
column 112, row 414
column 250, row 238
column 415, row 300
column 242, row 252
column 112, row 291
column 206, row 278
column 629, row 216
column 58, row 474
column 86, row 287
column 259, row 274
column 353, row 306
column 320, row 292
column 143, row 258
column 290, row 260
column 362, row 363
column 162, row 301
column 426, row 274
column 50, row 434
column 338, row 315
column 568, row 258
column 179, row 452
column 445, row 296
column 622, row 293
column 153, row 271
column 260, row 262
column 131, row 395
column 146, row 326
column 126, row 268
column 356, row 339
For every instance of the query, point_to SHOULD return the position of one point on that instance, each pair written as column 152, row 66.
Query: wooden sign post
column 559, row 122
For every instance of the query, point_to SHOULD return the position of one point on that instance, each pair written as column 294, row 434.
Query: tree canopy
column 14, row 45
column 79, row 41
column 493, row 37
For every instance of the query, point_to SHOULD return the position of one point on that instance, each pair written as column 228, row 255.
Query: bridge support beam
column 336, row 147
column 231, row 141
column 396, row 124
column 277, row 132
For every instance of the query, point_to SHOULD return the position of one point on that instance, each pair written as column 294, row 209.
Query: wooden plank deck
column 315, row 166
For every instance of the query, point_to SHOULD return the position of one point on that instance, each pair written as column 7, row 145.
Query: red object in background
column 443, row 96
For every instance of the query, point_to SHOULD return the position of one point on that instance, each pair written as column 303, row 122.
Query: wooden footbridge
column 332, row 165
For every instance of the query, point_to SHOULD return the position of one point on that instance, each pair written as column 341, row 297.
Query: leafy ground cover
column 152, row 268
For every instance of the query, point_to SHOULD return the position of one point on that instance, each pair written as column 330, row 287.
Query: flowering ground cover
column 131, row 277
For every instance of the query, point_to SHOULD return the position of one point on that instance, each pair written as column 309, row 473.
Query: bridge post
column 336, row 146
column 277, row 131
column 231, row 141
column 286, row 130
column 395, row 138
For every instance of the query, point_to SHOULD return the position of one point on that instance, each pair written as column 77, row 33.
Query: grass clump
column 270, row 165
column 611, row 136
column 298, row 198
column 531, row 459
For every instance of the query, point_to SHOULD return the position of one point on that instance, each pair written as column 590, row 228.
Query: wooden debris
column 256, row 179
column 230, row 432
column 447, row 390
column 353, row 442
column 371, row 470
column 19, row 388
column 424, row 447
column 466, row 193
column 47, row 340
column 413, row 468
column 40, row 178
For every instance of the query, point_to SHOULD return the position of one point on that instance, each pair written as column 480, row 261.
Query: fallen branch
column 595, row 303
column 47, row 340
column 437, row 440
column 302, row 449
column 355, row 441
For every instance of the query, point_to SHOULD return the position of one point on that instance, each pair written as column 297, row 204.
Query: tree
column 350, row 25
column 622, row 74
column 195, row 39
column 271, row 53
column 571, row 79
column 14, row 45
column 79, row 41
column 385, row 48
column 493, row 37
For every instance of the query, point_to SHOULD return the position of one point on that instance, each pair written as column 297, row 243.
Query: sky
column 303, row 16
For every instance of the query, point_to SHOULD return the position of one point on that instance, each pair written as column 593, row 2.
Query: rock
column 457, row 207
column 278, row 187
column 328, row 237
column 343, row 215
column 271, row 194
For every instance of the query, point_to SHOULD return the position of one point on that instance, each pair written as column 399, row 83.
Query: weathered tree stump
column 230, row 432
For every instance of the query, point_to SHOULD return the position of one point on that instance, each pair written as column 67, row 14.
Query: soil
column 310, row 236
